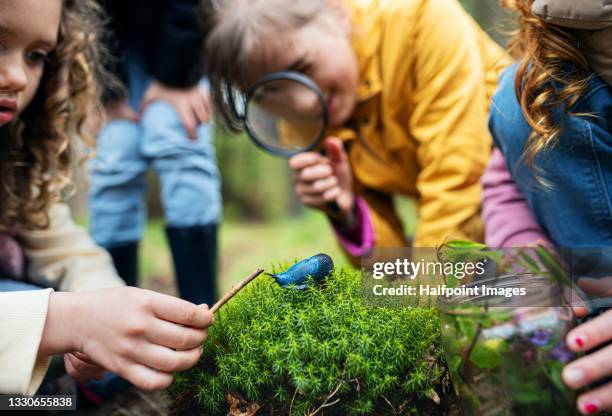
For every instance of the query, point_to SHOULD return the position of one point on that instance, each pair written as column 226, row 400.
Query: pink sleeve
column 359, row 241
column 507, row 217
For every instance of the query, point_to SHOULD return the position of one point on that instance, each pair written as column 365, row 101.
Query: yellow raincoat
column 427, row 73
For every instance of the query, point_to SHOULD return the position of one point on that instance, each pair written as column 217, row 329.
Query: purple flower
column 540, row 337
column 562, row 353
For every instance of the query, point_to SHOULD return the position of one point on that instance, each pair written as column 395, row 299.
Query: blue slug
column 318, row 266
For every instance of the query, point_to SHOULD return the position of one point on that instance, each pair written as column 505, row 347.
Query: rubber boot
column 194, row 251
column 125, row 258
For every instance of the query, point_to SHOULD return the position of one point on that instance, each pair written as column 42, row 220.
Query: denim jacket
column 577, row 210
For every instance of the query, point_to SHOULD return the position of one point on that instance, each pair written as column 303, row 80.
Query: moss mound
column 318, row 350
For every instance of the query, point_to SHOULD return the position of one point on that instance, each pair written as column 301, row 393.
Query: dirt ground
column 133, row 402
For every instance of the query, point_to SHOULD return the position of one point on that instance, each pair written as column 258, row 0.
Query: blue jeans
column 8, row 285
column 189, row 178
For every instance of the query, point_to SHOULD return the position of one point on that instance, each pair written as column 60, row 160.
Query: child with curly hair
column 50, row 65
column 549, row 181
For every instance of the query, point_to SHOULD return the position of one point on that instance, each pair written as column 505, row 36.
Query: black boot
column 194, row 251
column 125, row 258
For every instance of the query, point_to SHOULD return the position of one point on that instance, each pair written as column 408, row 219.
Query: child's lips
column 8, row 110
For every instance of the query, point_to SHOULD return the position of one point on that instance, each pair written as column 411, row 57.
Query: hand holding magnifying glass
column 286, row 114
column 323, row 180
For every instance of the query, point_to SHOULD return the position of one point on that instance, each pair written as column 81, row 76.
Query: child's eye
column 36, row 57
column 304, row 69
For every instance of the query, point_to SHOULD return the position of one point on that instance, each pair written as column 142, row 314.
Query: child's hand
column 321, row 180
column 121, row 110
column 596, row 365
column 192, row 104
column 81, row 368
column 142, row 336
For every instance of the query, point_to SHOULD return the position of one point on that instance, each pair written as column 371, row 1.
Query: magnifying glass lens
column 285, row 116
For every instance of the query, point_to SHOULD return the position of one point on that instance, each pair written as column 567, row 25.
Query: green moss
column 297, row 350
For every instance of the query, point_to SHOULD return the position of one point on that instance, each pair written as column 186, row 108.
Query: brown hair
column 552, row 74
column 37, row 150
column 236, row 31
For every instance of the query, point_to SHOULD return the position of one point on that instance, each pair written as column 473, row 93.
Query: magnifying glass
column 286, row 113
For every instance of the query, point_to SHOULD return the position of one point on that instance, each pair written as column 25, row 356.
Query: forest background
column 263, row 222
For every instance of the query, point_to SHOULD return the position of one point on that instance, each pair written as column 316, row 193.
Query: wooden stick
column 235, row 289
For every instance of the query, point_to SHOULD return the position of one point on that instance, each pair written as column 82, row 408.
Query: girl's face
column 28, row 34
column 324, row 53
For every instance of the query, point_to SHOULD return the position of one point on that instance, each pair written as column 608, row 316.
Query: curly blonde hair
column 37, row 150
column 553, row 73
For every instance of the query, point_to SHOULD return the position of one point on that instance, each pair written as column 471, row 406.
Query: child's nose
column 13, row 76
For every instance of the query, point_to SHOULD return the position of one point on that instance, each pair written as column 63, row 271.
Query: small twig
column 122, row 410
column 325, row 403
column 150, row 402
column 292, row 400
column 390, row 405
column 235, row 289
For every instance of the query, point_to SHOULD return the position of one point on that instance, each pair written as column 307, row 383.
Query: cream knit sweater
column 62, row 257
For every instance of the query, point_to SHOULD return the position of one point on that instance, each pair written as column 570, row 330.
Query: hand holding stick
column 235, row 289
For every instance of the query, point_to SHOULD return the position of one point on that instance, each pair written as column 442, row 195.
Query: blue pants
column 9, row 285
column 189, row 178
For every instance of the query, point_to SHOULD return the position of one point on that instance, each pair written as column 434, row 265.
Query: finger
column 598, row 400
column 316, row 172
column 588, row 369
column 89, row 366
column 180, row 311
column 580, row 311
column 176, row 336
column 72, row 371
column 316, row 188
column 202, row 110
column 145, row 378
column 82, row 357
column 596, row 287
column 144, row 103
column 573, row 299
column 201, row 114
column 335, row 150
column 212, row 316
column 208, row 104
column 133, row 116
column 591, row 333
column 313, row 201
column 303, row 160
column 96, row 370
column 80, row 370
column 189, row 122
column 324, row 185
column 165, row 359
column 332, row 194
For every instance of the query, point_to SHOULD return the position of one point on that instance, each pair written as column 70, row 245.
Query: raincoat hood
column 592, row 20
